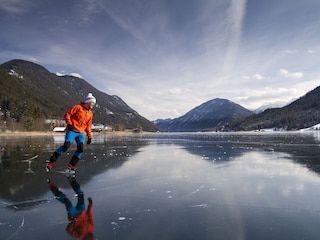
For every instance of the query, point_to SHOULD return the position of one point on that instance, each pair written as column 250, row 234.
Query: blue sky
column 165, row 57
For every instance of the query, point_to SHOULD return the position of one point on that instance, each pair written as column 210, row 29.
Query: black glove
column 70, row 127
column 90, row 200
column 89, row 141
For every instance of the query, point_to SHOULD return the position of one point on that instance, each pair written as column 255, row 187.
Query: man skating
column 78, row 119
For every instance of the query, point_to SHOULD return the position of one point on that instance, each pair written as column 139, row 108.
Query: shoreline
column 126, row 132
column 49, row 133
column 16, row 133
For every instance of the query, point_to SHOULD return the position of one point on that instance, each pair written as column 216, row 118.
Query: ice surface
column 168, row 186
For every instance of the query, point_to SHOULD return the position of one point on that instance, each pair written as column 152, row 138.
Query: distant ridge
column 224, row 115
column 212, row 115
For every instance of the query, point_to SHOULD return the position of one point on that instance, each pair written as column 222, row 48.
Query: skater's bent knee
column 80, row 148
column 65, row 146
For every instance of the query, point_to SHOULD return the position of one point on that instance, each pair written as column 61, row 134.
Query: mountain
column 302, row 113
column 210, row 116
column 29, row 91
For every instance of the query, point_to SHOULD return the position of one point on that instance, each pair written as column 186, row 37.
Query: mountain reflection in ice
column 169, row 186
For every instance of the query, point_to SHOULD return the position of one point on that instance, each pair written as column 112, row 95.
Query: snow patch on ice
column 196, row 191
column 203, row 205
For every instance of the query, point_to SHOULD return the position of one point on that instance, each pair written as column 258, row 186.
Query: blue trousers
column 69, row 138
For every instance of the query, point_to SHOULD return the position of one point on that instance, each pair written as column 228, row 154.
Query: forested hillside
column 29, row 94
column 302, row 113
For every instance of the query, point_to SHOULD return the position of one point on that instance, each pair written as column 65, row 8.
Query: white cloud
column 178, row 91
column 257, row 76
column 308, row 85
column 287, row 74
column 175, row 90
column 311, row 51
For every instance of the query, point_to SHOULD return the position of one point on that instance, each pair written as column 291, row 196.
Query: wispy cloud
column 88, row 10
column 234, row 19
column 16, row 6
column 291, row 51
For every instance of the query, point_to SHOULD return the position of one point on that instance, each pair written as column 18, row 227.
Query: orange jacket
column 80, row 118
column 82, row 225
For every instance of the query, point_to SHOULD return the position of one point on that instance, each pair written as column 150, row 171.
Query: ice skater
column 78, row 119
column 81, row 224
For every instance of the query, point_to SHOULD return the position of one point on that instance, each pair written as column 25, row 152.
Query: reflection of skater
column 78, row 119
column 81, row 223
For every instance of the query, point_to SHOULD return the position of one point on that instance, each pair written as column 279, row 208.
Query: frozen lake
column 168, row 186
